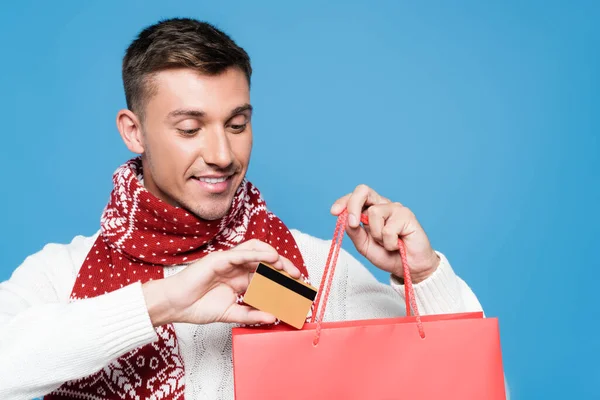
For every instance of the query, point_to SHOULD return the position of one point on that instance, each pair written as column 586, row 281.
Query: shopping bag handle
column 326, row 281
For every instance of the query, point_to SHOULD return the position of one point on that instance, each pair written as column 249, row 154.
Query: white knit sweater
column 45, row 340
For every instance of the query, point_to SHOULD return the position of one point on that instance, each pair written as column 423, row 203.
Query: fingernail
column 353, row 221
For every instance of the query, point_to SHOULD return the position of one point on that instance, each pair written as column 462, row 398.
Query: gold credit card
column 278, row 294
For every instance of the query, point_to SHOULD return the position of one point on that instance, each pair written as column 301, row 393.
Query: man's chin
column 211, row 206
column 210, row 209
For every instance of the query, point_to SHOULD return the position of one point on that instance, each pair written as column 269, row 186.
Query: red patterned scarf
column 141, row 234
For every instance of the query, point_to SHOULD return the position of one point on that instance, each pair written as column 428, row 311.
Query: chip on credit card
column 277, row 293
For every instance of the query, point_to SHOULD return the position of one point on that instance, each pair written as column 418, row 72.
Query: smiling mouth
column 214, row 185
column 214, row 180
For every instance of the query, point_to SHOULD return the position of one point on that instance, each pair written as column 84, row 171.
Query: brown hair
column 177, row 43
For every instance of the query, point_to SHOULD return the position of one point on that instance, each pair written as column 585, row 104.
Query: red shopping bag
column 450, row 356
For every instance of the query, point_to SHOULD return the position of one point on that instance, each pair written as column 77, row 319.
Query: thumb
column 359, row 236
column 247, row 315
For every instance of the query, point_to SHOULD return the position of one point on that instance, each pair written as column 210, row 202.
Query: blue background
column 480, row 116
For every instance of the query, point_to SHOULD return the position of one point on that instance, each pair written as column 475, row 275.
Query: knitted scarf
column 140, row 235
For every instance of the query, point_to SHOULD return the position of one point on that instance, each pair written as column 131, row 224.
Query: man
column 146, row 306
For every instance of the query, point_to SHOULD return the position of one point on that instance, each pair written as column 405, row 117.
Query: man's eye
column 238, row 128
column 188, row 131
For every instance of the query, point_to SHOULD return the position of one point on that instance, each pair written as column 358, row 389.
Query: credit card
column 277, row 293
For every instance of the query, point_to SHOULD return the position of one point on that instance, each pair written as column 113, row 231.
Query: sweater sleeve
column 45, row 340
column 442, row 293
column 356, row 293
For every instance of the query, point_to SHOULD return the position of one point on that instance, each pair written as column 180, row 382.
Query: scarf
column 140, row 235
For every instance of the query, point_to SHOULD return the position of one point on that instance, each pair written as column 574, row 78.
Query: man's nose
column 217, row 149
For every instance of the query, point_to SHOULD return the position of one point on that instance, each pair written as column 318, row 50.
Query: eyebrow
column 240, row 109
column 200, row 113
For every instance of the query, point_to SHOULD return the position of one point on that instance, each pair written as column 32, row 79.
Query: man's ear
column 130, row 128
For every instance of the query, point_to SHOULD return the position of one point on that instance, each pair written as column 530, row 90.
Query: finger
column 390, row 237
column 396, row 226
column 249, row 259
column 240, row 282
column 340, row 205
column 282, row 263
column 359, row 237
column 255, row 244
column 242, row 314
column 289, row 267
column 377, row 215
column 363, row 196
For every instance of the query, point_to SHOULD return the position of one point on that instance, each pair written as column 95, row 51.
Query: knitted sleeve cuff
column 122, row 322
column 438, row 294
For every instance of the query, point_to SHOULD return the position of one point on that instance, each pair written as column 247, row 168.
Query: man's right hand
column 206, row 291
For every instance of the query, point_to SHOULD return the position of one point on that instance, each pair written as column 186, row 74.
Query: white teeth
column 213, row 180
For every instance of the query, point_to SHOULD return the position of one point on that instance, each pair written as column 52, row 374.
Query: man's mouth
column 213, row 180
column 214, row 184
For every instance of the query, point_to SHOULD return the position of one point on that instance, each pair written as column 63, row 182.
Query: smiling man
column 187, row 168
column 144, row 308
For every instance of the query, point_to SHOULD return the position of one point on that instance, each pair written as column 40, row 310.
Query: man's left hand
column 378, row 241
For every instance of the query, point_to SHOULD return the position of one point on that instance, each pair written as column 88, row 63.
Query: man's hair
column 177, row 43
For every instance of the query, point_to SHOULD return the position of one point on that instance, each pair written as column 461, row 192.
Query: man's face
column 197, row 139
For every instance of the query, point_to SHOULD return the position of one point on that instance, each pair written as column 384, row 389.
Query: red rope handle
column 334, row 252
column 327, row 280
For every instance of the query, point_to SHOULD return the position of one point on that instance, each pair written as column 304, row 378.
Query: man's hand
column 378, row 241
column 206, row 291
